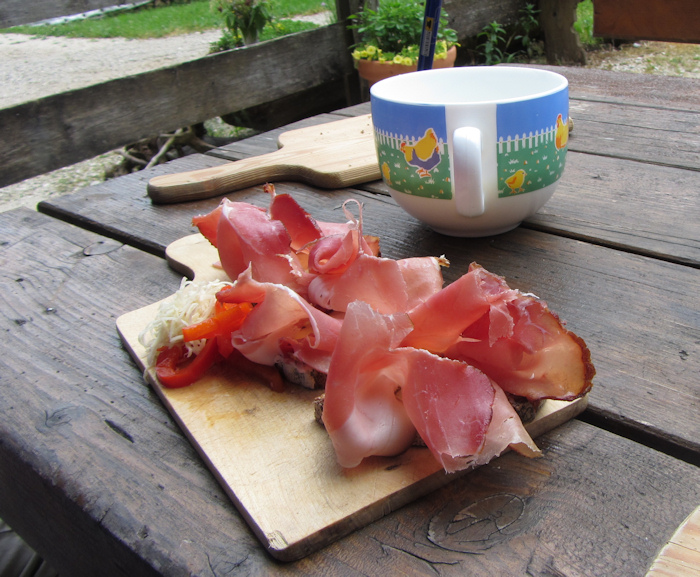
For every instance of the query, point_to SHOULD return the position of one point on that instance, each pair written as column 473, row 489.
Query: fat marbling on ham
column 402, row 355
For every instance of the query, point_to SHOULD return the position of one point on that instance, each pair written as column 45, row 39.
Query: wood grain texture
column 680, row 557
column 666, row 20
column 275, row 462
column 100, row 480
column 669, row 92
column 665, row 137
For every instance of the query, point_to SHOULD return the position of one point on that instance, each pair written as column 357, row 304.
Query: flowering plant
column 392, row 32
column 243, row 19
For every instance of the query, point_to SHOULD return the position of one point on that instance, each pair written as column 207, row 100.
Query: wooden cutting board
column 680, row 557
column 274, row 460
column 331, row 155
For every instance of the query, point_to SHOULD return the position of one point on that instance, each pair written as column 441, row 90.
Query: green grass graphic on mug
column 415, row 165
column 533, row 161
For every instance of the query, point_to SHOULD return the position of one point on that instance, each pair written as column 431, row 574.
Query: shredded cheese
column 192, row 303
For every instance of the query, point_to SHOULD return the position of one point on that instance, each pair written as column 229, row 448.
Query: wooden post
column 345, row 9
column 562, row 44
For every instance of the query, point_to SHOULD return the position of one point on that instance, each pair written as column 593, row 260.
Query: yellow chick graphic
column 424, row 154
column 386, row 172
column 515, row 182
column 562, row 133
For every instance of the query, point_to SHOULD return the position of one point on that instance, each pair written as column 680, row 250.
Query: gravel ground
column 28, row 68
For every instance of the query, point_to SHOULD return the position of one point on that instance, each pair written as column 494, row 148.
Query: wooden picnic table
column 99, row 478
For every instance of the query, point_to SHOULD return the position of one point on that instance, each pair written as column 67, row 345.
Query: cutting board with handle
column 331, row 155
column 273, row 459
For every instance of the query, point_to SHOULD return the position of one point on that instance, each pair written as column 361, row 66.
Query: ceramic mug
column 471, row 151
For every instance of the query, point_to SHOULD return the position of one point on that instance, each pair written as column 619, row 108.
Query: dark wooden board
column 667, row 20
column 670, row 92
column 99, row 209
column 657, row 136
column 100, row 480
column 639, row 315
column 640, row 208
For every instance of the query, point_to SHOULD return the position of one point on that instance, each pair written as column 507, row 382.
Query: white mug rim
column 405, row 85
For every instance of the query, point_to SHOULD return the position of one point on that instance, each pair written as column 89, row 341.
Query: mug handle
column 468, row 189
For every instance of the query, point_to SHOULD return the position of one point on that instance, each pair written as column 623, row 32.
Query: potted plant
column 390, row 39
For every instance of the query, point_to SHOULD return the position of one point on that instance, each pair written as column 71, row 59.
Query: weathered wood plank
column 670, row 92
column 114, row 221
column 266, row 142
column 626, row 205
column 666, row 137
column 63, row 129
column 608, row 296
column 100, row 480
column 16, row 12
column 667, row 20
column 657, row 136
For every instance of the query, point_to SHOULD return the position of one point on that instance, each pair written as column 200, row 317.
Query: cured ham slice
column 386, row 284
column 329, row 264
column 378, row 395
column 247, row 236
column 300, row 225
column 537, row 358
column 512, row 337
column 440, row 320
column 362, row 412
column 281, row 323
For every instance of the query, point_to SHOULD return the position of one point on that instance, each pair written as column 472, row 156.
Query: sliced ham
column 378, row 395
column 300, row 225
column 400, row 354
column 385, row 284
column 282, row 321
column 362, row 412
column 440, row 320
column 537, row 359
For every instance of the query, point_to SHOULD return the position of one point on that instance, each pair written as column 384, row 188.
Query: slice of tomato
column 174, row 370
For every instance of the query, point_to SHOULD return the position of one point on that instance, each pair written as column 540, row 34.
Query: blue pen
column 431, row 21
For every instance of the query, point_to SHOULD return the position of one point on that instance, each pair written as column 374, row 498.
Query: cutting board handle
column 330, row 155
column 218, row 180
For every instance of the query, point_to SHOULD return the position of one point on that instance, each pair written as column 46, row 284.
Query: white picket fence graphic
column 394, row 140
column 513, row 144
column 509, row 144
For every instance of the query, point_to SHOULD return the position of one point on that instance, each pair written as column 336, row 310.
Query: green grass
column 170, row 20
column 584, row 23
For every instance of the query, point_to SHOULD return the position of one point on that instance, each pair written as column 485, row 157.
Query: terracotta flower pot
column 374, row 71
